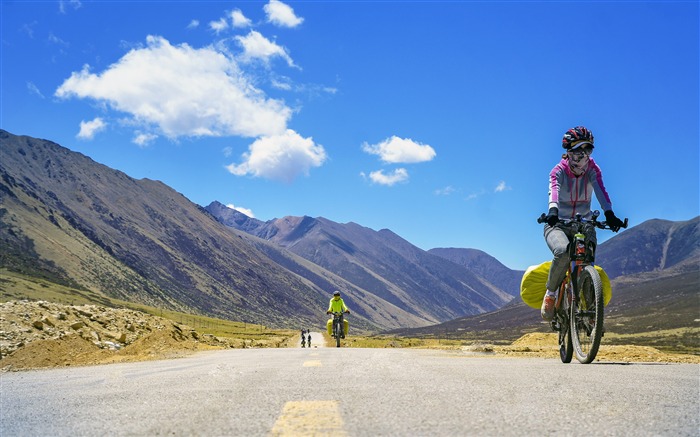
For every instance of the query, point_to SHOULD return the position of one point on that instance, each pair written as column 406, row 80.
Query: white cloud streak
column 445, row 191
column 281, row 14
column 280, row 157
column 75, row 4
column 501, row 187
column 181, row 91
column 399, row 150
column 33, row 89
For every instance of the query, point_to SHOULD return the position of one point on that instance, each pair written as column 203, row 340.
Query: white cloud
column 502, row 187
column 76, row 4
column 445, row 191
column 281, row 83
column 88, row 129
column 280, row 157
column 245, row 211
column 193, row 24
column 33, row 89
column 256, row 46
column 28, row 29
column 399, row 150
column 144, row 139
column 56, row 40
column 239, row 20
column 395, row 177
column 281, row 14
column 218, row 26
column 181, row 91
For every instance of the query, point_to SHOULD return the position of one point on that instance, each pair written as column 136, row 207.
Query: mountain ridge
column 381, row 261
column 69, row 219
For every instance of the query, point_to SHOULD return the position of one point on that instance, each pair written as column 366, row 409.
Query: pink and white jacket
column 572, row 195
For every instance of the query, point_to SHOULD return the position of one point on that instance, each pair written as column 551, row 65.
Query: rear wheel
column 566, row 346
column 587, row 316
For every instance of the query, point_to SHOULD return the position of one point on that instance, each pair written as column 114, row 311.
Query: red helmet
column 577, row 136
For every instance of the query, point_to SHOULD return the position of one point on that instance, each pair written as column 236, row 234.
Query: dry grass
column 534, row 345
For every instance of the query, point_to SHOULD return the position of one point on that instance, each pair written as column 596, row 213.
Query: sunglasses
column 580, row 152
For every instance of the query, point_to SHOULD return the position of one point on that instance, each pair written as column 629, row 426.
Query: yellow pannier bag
column 534, row 284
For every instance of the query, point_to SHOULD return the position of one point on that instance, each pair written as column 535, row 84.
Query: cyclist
column 336, row 305
column 572, row 183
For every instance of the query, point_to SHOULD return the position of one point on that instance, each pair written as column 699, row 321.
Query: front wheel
column 337, row 332
column 587, row 316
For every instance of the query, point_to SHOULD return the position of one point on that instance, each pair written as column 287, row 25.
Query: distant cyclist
column 572, row 183
column 336, row 305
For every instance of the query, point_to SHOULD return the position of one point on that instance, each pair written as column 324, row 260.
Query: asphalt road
column 353, row 392
column 317, row 340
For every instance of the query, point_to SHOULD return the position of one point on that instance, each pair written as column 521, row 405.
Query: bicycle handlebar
column 578, row 219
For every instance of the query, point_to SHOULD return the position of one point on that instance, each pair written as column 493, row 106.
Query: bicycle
column 579, row 305
column 338, row 327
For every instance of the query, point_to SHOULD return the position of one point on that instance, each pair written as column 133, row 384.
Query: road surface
column 352, row 392
column 317, row 340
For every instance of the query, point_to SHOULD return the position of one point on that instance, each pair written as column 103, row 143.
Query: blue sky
column 437, row 120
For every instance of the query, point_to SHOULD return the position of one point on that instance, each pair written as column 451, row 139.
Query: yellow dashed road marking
column 305, row 418
column 312, row 363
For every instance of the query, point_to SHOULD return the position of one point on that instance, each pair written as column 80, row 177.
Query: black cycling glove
column 614, row 222
column 552, row 216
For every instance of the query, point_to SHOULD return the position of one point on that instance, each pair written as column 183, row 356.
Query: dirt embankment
column 44, row 334
column 545, row 345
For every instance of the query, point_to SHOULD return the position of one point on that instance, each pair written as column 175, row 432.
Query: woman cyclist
column 572, row 183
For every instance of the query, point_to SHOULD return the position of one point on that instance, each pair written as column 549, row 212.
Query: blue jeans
column 558, row 239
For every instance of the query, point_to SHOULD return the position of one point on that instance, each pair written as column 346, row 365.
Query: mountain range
column 69, row 220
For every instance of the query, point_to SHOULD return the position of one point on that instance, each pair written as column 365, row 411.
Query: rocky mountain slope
column 72, row 221
column 380, row 262
column 485, row 266
column 69, row 219
column 655, row 245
